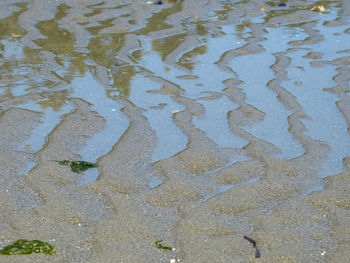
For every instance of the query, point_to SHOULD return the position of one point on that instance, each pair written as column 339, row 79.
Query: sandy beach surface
column 220, row 130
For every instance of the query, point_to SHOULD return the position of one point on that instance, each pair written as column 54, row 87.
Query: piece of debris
column 159, row 2
column 25, row 247
column 78, row 166
column 257, row 252
column 15, row 35
column 160, row 246
column 319, row 8
column 282, row 4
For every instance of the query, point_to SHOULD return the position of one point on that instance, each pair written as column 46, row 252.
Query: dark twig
column 257, row 252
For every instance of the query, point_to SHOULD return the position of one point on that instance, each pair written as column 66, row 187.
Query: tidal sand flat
column 174, row 131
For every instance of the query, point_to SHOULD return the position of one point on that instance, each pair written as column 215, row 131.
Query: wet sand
column 210, row 121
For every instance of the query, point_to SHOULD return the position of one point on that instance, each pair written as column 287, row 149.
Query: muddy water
column 209, row 120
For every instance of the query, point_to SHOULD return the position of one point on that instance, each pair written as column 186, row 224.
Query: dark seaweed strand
column 257, row 252
column 250, row 240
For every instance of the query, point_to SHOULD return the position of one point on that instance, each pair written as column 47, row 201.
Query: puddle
column 225, row 188
column 88, row 89
column 154, row 182
column 87, row 177
column 48, row 122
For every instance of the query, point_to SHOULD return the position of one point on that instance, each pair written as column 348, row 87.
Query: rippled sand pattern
column 209, row 121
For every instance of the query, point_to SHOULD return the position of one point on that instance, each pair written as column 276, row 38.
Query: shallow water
column 209, row 120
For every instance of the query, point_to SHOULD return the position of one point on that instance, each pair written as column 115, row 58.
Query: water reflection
column 44, row 59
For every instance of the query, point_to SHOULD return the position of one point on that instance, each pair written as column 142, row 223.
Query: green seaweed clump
column 160, row 246
column 24, row 247
column 78, row 166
